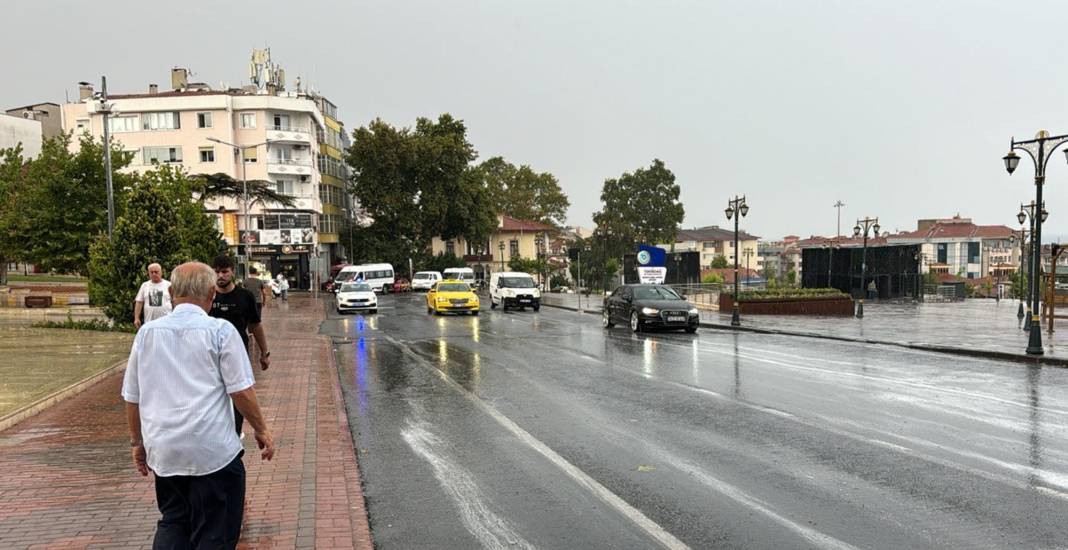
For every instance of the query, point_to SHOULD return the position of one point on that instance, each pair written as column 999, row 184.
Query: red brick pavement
column 66, row 480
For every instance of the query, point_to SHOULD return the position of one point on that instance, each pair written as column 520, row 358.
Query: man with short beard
column 238, row 306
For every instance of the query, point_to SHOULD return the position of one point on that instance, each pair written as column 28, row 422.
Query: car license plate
column 525, row 301
column 676, row 319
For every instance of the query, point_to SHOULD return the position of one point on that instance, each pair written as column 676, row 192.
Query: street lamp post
column 830, row 245
column 242, row 245
column 862, row 228
column 747, row 253
column 538, row 245
column 1040, row 150
column 500, row 248
column 1028, row 213
column 736, row 205
column 104, row 108
column 1023, row 269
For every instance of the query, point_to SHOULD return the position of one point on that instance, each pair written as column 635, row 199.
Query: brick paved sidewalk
column 66, row 480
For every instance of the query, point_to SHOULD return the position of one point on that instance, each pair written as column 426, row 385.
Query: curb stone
column 48, row 401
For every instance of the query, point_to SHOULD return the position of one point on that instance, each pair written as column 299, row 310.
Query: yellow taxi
column 451, row 296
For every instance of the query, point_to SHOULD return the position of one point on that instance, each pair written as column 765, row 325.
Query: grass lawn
column 43, row 278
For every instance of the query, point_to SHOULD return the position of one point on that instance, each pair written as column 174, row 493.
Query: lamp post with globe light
column 737, row 206
column 1040, row 150
column 862, row 228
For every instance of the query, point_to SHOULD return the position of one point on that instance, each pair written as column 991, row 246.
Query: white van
column 379, row 276
column 465, row 274
column 513, row 289
column 424, row 280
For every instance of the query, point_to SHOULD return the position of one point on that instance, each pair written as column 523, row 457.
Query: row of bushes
column 88, row 324
column 790, row 293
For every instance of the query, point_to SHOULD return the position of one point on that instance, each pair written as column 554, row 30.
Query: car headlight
column 650, row 311
column 442, row 300
column 693, row 311
column 537, row 293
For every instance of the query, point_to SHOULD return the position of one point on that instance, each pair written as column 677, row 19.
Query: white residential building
column 275, row 132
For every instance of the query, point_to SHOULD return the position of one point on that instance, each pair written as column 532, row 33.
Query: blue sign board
column 651, row 256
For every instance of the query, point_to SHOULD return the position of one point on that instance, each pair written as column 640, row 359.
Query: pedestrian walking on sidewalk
column 153, row 300
column 873, row 291
column 254, row 284
column 283, row 286
column 184, row 371
column 237, row 306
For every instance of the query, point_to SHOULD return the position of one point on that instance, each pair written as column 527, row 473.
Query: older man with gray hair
column 152, row 299
column 184, row 371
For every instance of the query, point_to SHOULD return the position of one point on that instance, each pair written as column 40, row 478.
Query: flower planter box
column 814, row 305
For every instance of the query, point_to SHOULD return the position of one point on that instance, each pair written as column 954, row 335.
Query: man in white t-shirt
column 153, row 298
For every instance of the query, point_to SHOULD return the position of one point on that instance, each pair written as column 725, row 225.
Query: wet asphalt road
column 543, row 430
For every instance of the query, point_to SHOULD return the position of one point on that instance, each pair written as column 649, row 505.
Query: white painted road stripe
column 654, row 530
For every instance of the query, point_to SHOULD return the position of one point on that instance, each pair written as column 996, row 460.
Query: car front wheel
column 606, row 320
column 635, row 322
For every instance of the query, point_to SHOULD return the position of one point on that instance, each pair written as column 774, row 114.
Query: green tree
column 416, row 183
column 719, row 262
column 596, row 267
column 59, row 203
column 444, row 261
column 640, row 207
column 11, row 164
column 526, row 265
column 522, row 193
column 161, row 222
column 712, row 278
column 219, row 185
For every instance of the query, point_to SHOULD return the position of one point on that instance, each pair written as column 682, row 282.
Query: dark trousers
column 201, row 511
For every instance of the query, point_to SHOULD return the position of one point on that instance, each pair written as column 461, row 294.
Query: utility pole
column 839, row 206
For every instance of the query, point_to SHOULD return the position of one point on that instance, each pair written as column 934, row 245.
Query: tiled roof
column 951, row 229
column 509, row 223
column 711, row 233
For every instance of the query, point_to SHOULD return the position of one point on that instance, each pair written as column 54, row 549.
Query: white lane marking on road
column 491, row 530
column 812, row 536
column 650, row 527
column 834, row 426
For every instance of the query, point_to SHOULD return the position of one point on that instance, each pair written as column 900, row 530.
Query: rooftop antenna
column 839, row 206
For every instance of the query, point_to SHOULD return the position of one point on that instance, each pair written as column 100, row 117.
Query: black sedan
column 649, row 306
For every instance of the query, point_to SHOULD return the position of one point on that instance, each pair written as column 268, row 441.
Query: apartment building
column 958, row 246
column 337, row 204
column 47, row 114
column 713, row 241
column 257, row 132
column 16, row 131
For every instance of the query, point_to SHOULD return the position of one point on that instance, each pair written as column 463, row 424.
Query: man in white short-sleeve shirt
column 152, row 298
column 184, row 371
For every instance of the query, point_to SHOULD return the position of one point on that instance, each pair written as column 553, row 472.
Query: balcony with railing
column 288, row 134
column 297, row 166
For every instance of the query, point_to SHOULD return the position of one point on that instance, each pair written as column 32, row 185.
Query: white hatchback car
column 356, row 297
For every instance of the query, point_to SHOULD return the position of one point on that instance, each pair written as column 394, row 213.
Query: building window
column 248, row 120
column 207, row 154
column 122, row 124
column 513, row 248
column 203, row 120
column 943, row 253
column 160, row 121
column 973, row 253
column 284, row 187
column 281, row 122
column 82, row 126
column 708, row 245
column 162, row 154
column 450, row 248
column 250, row 154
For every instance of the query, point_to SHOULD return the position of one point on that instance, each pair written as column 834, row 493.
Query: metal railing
column 290, row 129
column 289, row 162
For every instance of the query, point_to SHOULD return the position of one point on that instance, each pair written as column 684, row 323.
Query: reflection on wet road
column 542, row 430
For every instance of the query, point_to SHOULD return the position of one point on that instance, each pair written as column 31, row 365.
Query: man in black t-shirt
column 238, row 306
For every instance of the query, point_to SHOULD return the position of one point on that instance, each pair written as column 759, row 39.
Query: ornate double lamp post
column 737, row 206
column 1040, row 150
column 863, row 227
column 1023, row 266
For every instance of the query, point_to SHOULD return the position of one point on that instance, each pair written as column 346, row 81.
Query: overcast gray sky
column 900, row 109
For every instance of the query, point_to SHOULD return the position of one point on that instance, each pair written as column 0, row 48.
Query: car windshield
column 355, row 287
column 423, row 276
column 516, row 282
column 345, row 276
column 655, row 293
column 454, row 287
